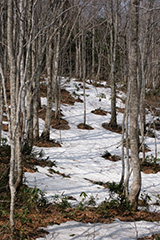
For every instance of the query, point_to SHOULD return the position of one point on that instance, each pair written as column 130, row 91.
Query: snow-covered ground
column 80, row 157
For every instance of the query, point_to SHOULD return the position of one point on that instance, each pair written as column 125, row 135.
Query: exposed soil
column 43, row 90
column 47, row 143
column 113, row 158
column 5, row 119
column 60, row 124
column 148, row 167
column 99, row 111
column 51, row 215
column 5, row 127
column 66, row 97
column 117, row 129
column 84, row 126
column 30, row 163
column 121, row 110
column 154, row 237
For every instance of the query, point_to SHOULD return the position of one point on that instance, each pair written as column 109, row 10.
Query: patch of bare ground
column 29, row 163
column 52, row 215
column 117, row 129
column 99, row 111
column 121, row 110
column 60, row 123
column 43, row 90
column 84, row 126
column 5, row 118
column 113, row 158
column 154, row 237
column 47, row 143
column 5, row 127
column 66, row 98
column 150, row 168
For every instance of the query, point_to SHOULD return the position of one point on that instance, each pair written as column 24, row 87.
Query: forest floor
column 34, row 210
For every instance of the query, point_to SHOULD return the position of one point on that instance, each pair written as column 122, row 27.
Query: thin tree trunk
column 113, row 47
column 134, row 105
column 56, row 82
column 12, row 65
column 1, row 110
column 49, row 58
column 80, row 57
column 93, row 53
column 77, row 59
column 84, row 74
column 35, row 49
column 126, row 182
column 29, row 92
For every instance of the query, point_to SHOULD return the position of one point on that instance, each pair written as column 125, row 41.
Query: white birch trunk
column 134, row 105
column 49, row 58
column 12, row 65
column 56, row 82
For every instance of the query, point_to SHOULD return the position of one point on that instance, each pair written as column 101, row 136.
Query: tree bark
column 113, row 47
column 12, row 65
column 84, row 73
column 1, row 110
column 134, row 105
column 49, row 58
column 56, row 79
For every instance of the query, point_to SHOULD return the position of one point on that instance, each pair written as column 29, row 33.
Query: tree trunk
column 1, row 110
column 84, row 73
column 113, row 47
column 77, row 59
column 56, row 79
column 12, row 66
column 134, row 105
column 93, row 53
column 49, row 58
column 36, row 51
column 29, row 91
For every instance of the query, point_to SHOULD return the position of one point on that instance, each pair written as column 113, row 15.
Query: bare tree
column 113, row 50
column 15, row 133
column 134, row 104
